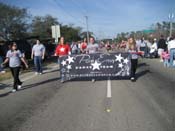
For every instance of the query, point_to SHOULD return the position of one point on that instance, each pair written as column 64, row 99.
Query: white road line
column 109, row 95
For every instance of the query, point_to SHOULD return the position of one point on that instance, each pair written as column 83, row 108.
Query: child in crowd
column 166, row 59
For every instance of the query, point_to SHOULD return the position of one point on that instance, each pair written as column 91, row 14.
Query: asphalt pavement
column 45, row 104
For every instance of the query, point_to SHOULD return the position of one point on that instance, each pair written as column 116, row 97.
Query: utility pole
column 171, row 17
column 87, row 29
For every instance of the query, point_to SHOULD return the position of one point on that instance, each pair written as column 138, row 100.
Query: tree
column 41, row 26
column 71, row 33
column 13, row 23
column 84, row 34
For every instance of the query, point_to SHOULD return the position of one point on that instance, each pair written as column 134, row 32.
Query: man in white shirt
column 153, row 49
column 171, row 49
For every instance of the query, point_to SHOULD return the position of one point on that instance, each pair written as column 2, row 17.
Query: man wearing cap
column 153, row 50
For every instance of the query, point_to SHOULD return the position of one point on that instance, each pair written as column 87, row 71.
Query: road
column 45, row 104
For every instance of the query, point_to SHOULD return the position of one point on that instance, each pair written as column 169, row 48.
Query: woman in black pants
column 132, row 49
column 14, row 57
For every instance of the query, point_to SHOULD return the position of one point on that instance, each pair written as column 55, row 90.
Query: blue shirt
column 14, row 58
column 38, row 49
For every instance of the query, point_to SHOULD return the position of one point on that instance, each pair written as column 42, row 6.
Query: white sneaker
column 36, row 73
column 161, row 60
column 132, row 78
column 62, row 81
column 14, row 90
column 93, row 80
column 40, row 73
column 3, row 72
column 19, row 87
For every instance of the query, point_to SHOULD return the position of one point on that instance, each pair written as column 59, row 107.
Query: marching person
column 62, row 49
column 92, row 48
column 38, row 54
column 14, row 57
column 83, row 46
column 133, row 50
column 108, row 46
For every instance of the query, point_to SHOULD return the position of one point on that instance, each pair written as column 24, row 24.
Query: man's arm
column 32, row 53
column 44, row 51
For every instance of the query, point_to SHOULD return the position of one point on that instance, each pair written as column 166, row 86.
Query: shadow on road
column 39, row 83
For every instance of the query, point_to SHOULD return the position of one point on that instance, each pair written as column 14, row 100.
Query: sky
column 106, row 18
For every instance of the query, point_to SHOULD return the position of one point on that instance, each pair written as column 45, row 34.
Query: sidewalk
column 6, row 85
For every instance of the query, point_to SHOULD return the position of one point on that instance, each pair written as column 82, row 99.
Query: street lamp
column 171, row 17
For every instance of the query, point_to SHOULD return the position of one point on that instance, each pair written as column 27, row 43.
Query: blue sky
column 106, row 17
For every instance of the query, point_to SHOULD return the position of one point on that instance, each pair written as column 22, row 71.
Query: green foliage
column 13, row 22
column 41, row 26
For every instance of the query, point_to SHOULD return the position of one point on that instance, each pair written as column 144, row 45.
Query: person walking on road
column 133, row 50
column 62, row 49
column 38, row 54
column 92, row 48
column 14, row 57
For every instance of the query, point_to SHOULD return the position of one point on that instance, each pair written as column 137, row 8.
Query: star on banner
column 120, row 65
column 96, row 65
column 63, row 62
column 69, row 67
column 70, row 59
column 118, row 58
column 126, row 61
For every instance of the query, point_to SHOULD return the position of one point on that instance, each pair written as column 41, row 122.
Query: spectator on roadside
column 1, row 60
column 171, row 49
column 62, row 49
column 38, row 54
column 14, row 57
column 79, row 47
column 153, row 49
column 74, row 48
column 166, row 58
column 162, row 46
column 143, row 45
column 83, row 46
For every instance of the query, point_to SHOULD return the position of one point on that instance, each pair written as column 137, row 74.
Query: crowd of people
column 155, row 48
column 162, row 48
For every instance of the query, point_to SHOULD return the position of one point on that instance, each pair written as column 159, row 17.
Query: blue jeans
column 59, row 63
column 166, row 63
column 38, row 64
column 172, row 57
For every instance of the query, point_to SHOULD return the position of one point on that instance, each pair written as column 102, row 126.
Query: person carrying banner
column 92, row 48
column 14, row 57
column 133, row 50
column 62, row 49
column 83, row 46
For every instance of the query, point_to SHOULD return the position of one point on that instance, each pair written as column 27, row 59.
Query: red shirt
column 83, row 45
column 62, row 50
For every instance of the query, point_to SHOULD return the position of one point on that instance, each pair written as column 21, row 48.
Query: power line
column 60, row 6
column 80, row 6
